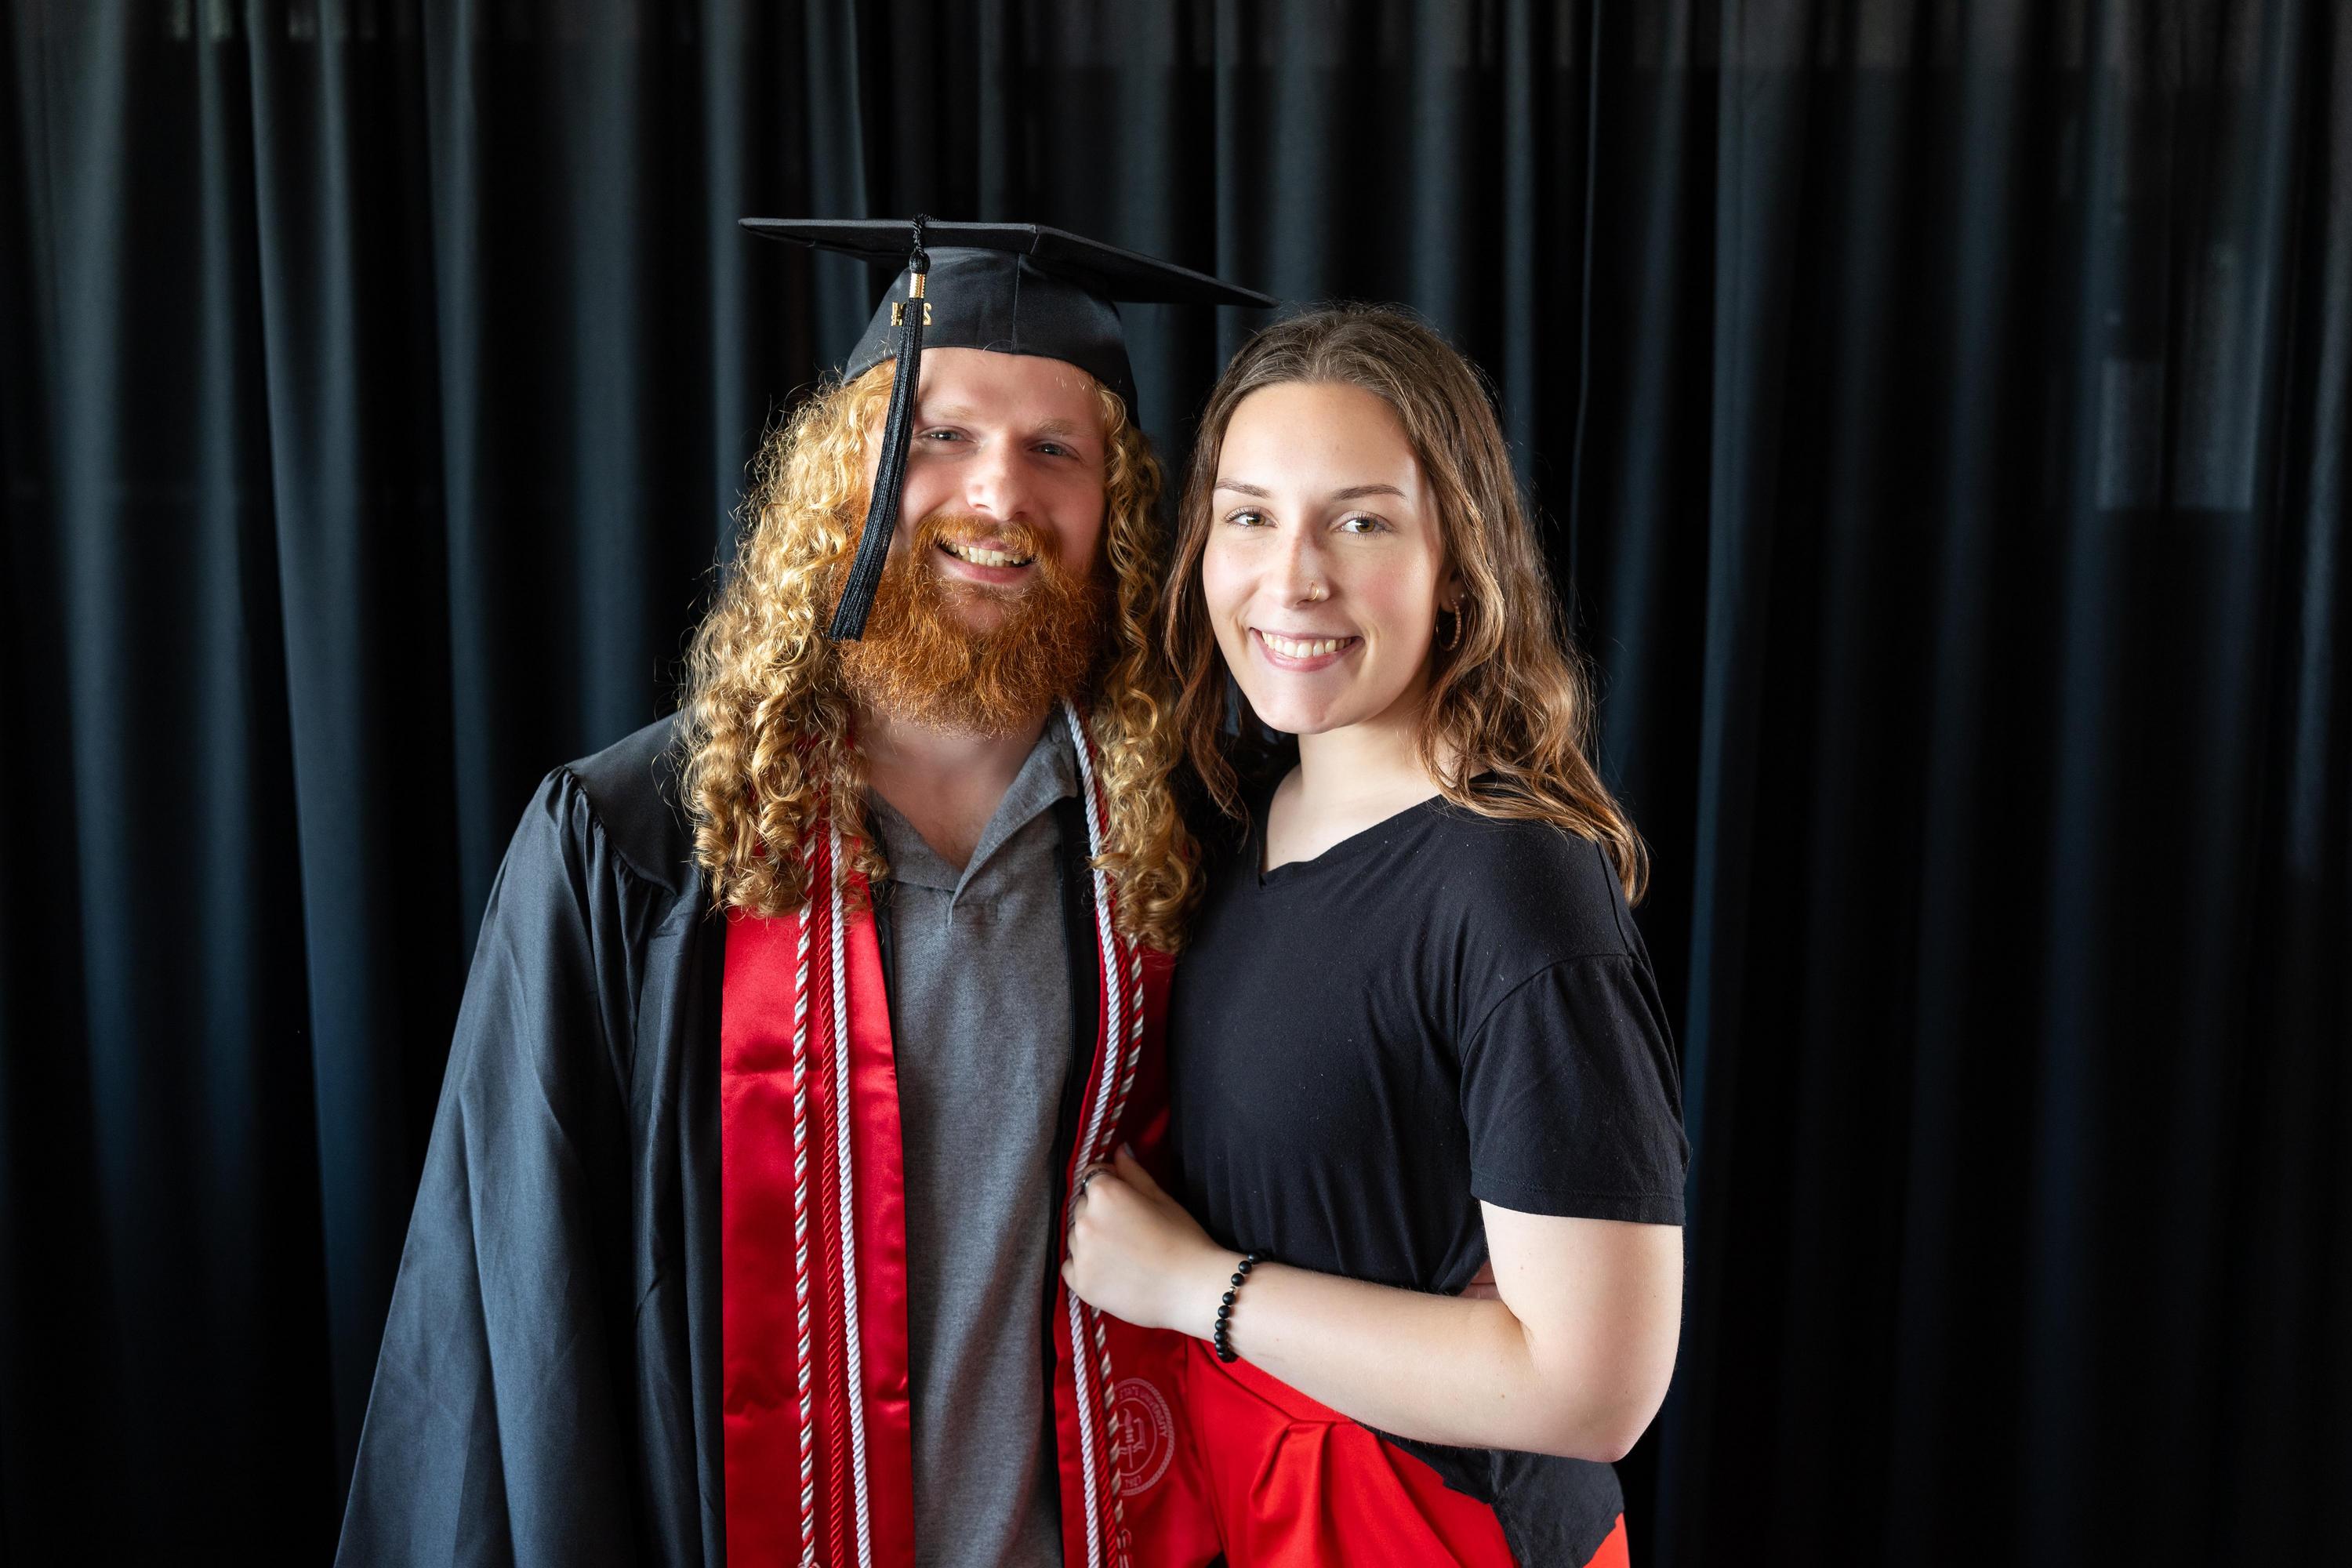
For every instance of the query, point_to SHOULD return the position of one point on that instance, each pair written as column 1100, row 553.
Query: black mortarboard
column 1013, row 288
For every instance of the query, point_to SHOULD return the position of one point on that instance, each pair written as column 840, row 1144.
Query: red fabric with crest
column 1294, row 1484
column 1160, row 1516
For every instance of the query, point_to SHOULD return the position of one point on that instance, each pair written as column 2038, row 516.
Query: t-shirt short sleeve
column 1571, row 1096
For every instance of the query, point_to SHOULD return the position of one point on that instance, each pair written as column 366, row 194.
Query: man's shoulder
column 631, row 788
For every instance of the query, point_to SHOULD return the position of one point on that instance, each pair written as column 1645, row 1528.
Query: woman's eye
column 1245, row 519
column 1362, row 523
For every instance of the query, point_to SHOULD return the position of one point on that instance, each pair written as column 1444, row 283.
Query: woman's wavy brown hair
column 1506, row 728
column 765, row 721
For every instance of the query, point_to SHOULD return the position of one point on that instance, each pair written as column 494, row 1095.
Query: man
column 795, row 1017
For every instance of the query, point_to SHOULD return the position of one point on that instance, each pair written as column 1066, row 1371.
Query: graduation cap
column 1011, row 288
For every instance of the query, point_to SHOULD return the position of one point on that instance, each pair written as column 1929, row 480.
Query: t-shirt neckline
column 1348, row 848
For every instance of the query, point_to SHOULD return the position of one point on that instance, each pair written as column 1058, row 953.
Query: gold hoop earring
column 1455, row 641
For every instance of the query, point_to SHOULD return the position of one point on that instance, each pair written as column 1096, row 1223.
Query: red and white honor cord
column 800, row 1193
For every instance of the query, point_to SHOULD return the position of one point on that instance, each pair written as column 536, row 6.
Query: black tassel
column 890, row 470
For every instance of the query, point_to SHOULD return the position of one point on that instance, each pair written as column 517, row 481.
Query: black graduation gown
column 547, row 1388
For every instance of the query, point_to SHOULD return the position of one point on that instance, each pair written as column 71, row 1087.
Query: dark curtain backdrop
column 1939, row 413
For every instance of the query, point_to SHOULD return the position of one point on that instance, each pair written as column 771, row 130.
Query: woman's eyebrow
column 1352, row 492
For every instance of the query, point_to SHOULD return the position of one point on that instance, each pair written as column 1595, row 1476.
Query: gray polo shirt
column 979, row 1012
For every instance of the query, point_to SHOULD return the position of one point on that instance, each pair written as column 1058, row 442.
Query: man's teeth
column 979, row 557
column 1304, row 647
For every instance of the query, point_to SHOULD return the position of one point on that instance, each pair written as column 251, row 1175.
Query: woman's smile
column 1302, row 654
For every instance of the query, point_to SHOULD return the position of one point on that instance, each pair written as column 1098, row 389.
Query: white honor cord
column 1112, row 988
column 1080, row 1361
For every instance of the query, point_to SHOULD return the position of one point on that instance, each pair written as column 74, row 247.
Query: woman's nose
column 1297, row 570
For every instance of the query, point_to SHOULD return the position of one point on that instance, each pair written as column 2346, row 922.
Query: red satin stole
column 761, row 1418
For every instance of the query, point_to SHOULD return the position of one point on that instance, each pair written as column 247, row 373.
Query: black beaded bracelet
column 1218, row 1336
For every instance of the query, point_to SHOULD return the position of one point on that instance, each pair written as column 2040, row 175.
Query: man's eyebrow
column 960, row 411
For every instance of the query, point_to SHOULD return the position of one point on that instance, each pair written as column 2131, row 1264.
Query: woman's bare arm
column 1572, row 1358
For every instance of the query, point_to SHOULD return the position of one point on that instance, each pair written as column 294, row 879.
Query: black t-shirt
column 1443, row 1009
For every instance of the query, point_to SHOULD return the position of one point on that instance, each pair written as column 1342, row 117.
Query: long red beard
column 918, row 661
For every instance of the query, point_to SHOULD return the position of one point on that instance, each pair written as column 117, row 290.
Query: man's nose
column 994, row 486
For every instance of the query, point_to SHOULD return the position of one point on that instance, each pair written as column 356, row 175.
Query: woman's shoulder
column 1533, row 887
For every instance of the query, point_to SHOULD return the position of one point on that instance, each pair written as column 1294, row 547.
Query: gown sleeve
column 495, row 1431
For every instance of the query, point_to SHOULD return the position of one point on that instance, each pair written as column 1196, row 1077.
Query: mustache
column 1015, row 537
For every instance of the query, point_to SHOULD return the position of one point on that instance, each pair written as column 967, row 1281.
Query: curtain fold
column 1939, row 415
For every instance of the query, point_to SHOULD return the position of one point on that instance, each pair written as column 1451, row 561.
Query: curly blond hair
column 765, row 719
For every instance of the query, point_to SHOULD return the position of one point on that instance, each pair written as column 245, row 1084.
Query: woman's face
column 1324, row 570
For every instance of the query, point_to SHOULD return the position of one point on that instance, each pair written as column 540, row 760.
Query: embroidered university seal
column 1146, row 1435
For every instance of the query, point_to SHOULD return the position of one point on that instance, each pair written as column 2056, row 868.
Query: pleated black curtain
column 1940, row 412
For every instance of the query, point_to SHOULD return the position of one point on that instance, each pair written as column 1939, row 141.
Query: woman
column 1415, row 1031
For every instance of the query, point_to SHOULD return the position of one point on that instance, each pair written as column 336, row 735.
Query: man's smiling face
column 991, row 601
column 1005, row 465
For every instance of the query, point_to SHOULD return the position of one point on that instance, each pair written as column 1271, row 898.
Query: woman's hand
column 1135, row 1254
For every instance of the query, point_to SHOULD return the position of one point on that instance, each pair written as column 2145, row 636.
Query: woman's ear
column 1449, row 592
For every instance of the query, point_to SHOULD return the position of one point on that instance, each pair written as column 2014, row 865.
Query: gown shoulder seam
column 578, row 787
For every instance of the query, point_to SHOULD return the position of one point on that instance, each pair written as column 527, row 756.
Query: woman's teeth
column 979, row 557
column 1305, row 648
